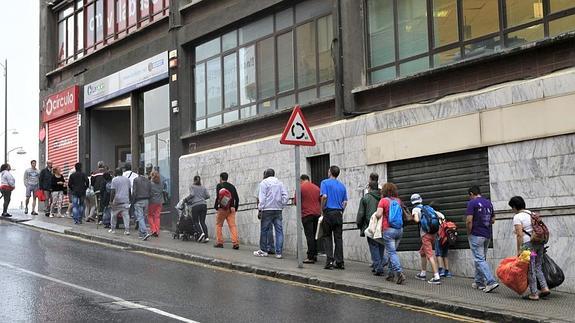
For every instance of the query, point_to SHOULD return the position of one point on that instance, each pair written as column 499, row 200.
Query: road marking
column 117, row 300
column 413, row 308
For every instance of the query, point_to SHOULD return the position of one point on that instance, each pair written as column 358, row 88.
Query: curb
column 490, row 314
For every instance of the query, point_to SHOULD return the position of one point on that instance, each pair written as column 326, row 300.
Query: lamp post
column 20, row 151
column 5, row 66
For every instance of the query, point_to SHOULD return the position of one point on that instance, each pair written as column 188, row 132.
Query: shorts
column 30, row 190
column 426, row 245
column 439, row 250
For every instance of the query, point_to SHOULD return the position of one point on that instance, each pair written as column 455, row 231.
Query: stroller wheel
column 176, row 236
column 186, row 237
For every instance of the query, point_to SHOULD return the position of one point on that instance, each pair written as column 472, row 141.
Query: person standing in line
column 272, row 197
column 142, row 191
column 427, row 240
column 69, row 209
column 120, row 201
column 333, row 203
column 226, row 205
column 310, row 212
column 58, row 188
column 392, row 231
column 523, row 231
column 197, row 200
column 7, row 185
column 98, row 183
column 31, row 182
column 479, row 220
column 442, row 252
column 78, row 184
column 45, row 185
column 129, row 174
column 367, row 207
column 156, row 202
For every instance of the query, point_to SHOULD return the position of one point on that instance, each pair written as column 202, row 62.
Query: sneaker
column 201, row 238
column 51, row 215
column 421, row 277
column 441, row 272
column 309, row 261
column 278, row 256
column 34, row 213
column 218, row 245
column 112, row 231
column 447, row 274
column 490, row 288
column 26, row 211
column 434, row 281
column 7, row 215
column 400, row 278
column 144, row 238
column 271, row 252
column 339, row 266
column 390, row 277
column 477, row 286
column 126, row 233
column 206, row 240
column 328, row 266
column 47, row 214
column 236, row 247
column 260, row 253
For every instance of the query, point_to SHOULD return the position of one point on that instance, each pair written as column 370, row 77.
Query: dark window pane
column 306, row 64
column 200, row 87
column 412, row 27
column 208, row 49
column 307, row 96
column 480, row 17
column 247, row 75
column 248, row 112
column 285, row 62
column 327, row 90
column 255, row 30
column 523, row 36
column 229, row 40
column 215, row 121
column 284, row 19
column 523, row 11
column 286, row 101
column 266, row 68
column 325, row 37
column 381, row 37
column 267, row 107
column 231, row 116
column 414, row 67
column 386, row 74
column 483, row 47
column 558, row 5
column 230, row 81
column 214, row 85
column 445, row 27
column 447, row 57
column 560, row 26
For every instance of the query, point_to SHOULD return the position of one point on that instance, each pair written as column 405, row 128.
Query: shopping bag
column 40, row 195
column 319, row 231
column 513, row 272
column 554, row 276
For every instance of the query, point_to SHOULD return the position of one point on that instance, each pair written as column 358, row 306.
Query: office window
column 411, row 36
column 265, row 66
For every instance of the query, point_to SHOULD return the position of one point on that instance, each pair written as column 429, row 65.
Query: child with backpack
column 428, row 221
column 446, row 237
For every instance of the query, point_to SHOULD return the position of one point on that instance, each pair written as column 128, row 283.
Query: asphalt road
column 48, row 277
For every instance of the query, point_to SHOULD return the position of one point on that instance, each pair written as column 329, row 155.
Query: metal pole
column 6, row 111
column 298, row 210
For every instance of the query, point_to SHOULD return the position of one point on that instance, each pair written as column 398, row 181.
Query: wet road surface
column 47, row 277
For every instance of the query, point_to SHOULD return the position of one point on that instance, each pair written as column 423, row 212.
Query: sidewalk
column 454, row 295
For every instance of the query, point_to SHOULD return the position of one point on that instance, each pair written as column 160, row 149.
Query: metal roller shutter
column 441, row 180
column 63, row 144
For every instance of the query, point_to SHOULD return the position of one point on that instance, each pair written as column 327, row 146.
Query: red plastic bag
column 513, row 272
column 40, row 195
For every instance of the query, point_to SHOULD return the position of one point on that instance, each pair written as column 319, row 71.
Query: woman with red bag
column 7, row 185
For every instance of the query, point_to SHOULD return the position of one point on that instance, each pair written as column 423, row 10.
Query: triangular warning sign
column 297, row 131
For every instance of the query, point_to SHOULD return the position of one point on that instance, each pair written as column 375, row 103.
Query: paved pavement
column 454, row 295
column 48, row 277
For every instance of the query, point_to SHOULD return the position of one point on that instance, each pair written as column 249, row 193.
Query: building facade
column 434, row 95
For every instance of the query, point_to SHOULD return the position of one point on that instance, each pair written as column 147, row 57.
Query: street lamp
column 5, row 66
column 20, row 151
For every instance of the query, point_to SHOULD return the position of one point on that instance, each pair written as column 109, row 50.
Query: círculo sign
column 60, row 104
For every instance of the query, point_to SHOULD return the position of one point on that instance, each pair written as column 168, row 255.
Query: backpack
column 448, row 234
column 395, row 216
column 540, row 233
column 429, row 220
column 225, row 198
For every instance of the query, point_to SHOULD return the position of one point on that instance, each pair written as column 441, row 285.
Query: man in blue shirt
column 480, row 218
column 333, row 203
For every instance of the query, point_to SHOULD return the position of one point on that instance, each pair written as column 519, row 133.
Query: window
column 87, row 25
column 406, row 37
column 264, row 66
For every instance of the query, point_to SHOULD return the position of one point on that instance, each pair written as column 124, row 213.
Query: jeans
column 199, row 218
column 378, row 256
column 391, row 239
column 309, row 228
column 483, row 275
column 77, row 208
column 333, row 226
column 122, row 209
column 535, row 271
column 57, row 199
column 269, row 218
column 139, row 208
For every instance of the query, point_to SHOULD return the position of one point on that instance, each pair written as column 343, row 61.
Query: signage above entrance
column 136, row 76
column 297, row 131
column 60, row 104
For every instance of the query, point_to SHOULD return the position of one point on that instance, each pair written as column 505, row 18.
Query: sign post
column 297, row 133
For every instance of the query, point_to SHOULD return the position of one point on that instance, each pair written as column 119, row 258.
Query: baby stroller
column 186, row 229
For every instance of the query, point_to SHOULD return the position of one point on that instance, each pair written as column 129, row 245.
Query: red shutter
column 63, row 143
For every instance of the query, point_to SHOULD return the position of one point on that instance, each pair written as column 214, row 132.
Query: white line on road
column 118, row 300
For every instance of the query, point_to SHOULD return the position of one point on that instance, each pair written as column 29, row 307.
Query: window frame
column 461, row 43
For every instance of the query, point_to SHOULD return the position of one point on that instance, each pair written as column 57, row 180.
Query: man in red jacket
column 310, row 211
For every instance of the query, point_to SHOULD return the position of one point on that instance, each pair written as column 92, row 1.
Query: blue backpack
column 395, row 216
column 429, row 221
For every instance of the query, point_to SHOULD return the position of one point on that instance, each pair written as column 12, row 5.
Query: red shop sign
column 61, row 103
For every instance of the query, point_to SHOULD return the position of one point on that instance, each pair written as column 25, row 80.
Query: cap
column 416, row 199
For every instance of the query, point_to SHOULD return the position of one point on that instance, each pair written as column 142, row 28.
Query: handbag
column 6, row 187
column 40, row 195
column 553, row 274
